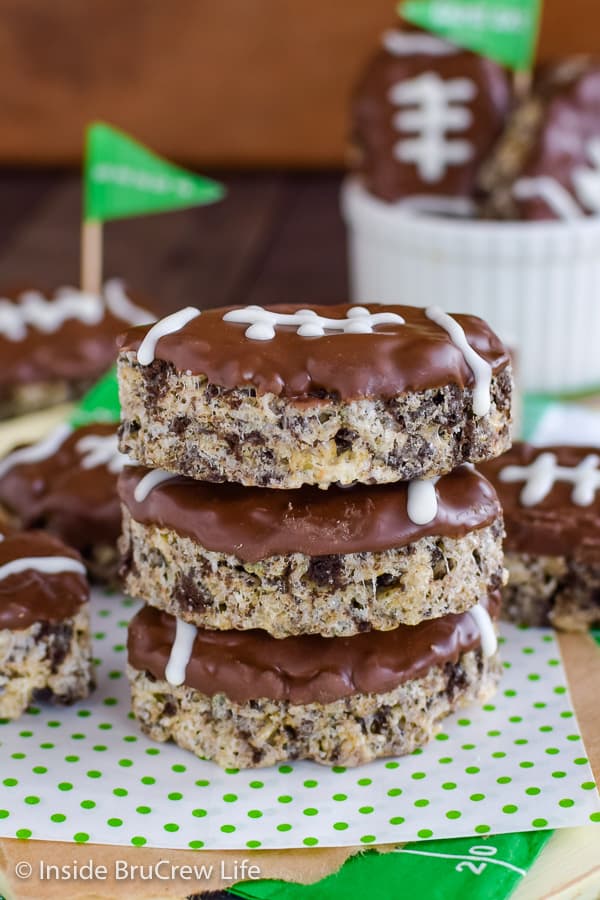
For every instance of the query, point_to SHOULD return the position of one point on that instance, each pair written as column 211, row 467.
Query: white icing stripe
column 34, row 310
column 263, row 323
column 436, row 107
column 489, row 640
column 169, row 325
column 541, row 475
column 122, row 307
column 181, row 652
column 48, row 314
column 150, row 481
column 586, row 180
column 36, row 452
column 407, row 43
column 422, row 505
column 481, row 369
column 50, row 565
column 552, row 192
column 101, row 450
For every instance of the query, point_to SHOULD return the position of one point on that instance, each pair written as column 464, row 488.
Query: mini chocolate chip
column 344, row 439
column 180, row 424
column 156, row 381
column 190, row 595
column 325, row 570
column 457, row 679
column 170, row 708
column 380, row 720
column 233, row 442
column 212, row 391
column 59, row 639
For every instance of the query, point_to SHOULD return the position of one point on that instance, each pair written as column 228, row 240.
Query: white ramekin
column 536, row 283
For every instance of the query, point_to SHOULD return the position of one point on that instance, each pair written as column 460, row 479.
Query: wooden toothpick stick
column 91, row 256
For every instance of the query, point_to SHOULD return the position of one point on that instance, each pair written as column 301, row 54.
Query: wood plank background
column 276, row 237
column 228, row 83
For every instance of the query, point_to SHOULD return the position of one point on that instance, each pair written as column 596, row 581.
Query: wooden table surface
column 276, row 237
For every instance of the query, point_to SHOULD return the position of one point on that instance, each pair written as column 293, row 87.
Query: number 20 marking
column 477, row 868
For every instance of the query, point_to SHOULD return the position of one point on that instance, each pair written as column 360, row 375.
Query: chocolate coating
column 255, row 523
column 76, row 352
column 394, row 359
column 555, row 526
column 79, row 505
column 31, row 596
column 248, row 665
column 569, row 92
column 374, row 135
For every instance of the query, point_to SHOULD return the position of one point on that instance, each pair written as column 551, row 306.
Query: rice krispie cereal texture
column 296, row 594
column 402, row 399
column 551, row 502
column 551, row 590
column 45, row 649
column 245, row 699
column 347, row 732
column 49, row 662
column 333, row 562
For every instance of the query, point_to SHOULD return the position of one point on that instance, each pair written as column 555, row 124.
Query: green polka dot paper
column 88, row 774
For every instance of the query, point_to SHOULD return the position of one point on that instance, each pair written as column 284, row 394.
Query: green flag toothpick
column 100, row 404
column 122, row 178
column 504, row 30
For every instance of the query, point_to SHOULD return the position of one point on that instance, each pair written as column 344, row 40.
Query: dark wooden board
column 276, row 237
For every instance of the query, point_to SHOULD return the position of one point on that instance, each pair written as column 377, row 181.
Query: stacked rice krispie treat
column 321, row 562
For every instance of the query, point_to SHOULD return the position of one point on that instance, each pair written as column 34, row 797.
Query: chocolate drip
column 30, row 596
column 256, row 523
column 394, row 359
column 555, row 526
column 248, row 665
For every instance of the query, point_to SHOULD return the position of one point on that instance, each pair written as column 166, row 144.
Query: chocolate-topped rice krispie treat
column 285, row 396
column 67, row 484
column 45, row 649
column 54, row 347
column 545, row 165
column 333, row 562
column 245, row 699
column 412, row 74
column 551, row 502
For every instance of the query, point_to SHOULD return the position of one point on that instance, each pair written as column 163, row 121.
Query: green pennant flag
column 122, row 178
column 100, row 404
column 504, row 30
